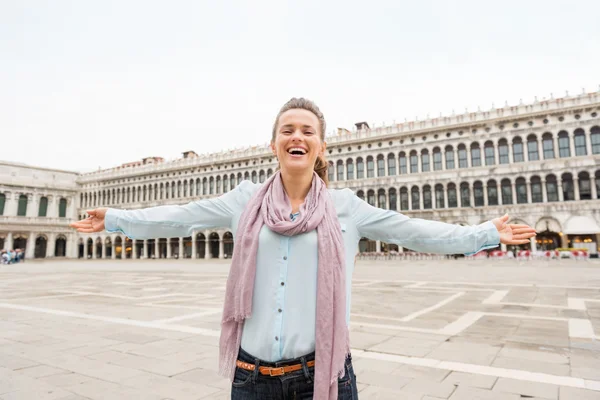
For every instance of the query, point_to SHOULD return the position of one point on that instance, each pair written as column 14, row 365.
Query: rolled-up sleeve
column 422, row 235
column 179, row 220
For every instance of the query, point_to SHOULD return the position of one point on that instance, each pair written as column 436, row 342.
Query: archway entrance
column 108, row 246
column 366, row 245
column 20, row 242
column 81, row 249
column 150, row 244
column 90, row 248
column 139, row 248
column 60, row 247
column 174, row 243
column 200, row 245
column 128, row 248
column 99, row 248
column 162, row 248
column 118, row 247
column 214, row 245
column 547, row 240
column 41, row 243
column 228, row 244
column 187, row 247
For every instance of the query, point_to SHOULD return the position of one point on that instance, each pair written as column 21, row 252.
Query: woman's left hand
column 513, row 233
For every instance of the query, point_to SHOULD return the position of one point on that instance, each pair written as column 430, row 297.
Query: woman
column 286, row 313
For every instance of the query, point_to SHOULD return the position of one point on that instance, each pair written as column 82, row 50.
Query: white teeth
column 297, row 149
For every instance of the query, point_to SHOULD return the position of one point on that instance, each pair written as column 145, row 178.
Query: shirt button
column 282, row 283
column 276, row 337
column 280, row 310
column 285, row 257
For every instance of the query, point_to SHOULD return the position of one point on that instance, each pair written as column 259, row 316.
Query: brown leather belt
column 274, row 371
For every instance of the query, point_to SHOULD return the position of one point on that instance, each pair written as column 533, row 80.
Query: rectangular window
column 518, row 152
column 425, row 162
column 62, row 208
column 595, row 143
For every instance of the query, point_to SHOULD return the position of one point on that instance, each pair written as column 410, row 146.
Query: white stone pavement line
column 517, row 374
column 121, row 321
column 213, row 311
column 427, row 362
column 416, row 314
column 118, row 296
column 496, row 284
column 573, row 303
column 57, row 296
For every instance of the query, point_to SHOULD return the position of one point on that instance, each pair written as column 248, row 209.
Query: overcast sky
column 93, row 84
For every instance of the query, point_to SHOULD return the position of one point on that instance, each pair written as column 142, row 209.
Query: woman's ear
column 273, row 148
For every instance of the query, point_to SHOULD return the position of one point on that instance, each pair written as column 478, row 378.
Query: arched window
column 231, row 182
column 532, row 148
column 380, row 165
column 564, row 149
column 475, row 155
column 218, row 184
column 360, row 194
column 239, row 178
column 340, row 170
column 439, row 196
column 415, row 198
column 424, row 160
column 595, row 140
column 43, row 211
column 503, row 151
column 381, row 199
column 360, row 168
column 370, row 167
column 22, row 208
column 478, row 193
column 449, row 157
column 349, row 169
column 437, row 159
column 371, row 197
column 414, row 162
column 427, row 197
column 2, row 203
column 261, row 176
column 597, row 175
column 403, row 198
column 402, row 158
column 393, row 199
column 490, row 157
column 225, row 184
column 246, row 176
column 465, row 195
column 211, row 183
column 204, row 186
column 172, row 191
column 536, row 190
column 254, row 177
column 198, row 187
column 492, row 192
column 567, row 187
column 330, row 171
column 548, row 146
column 269, row 173
column 518, row 150
column 462, row 156
column 452, row 199
column 62, row 208
column 162, row 192
column 391, row 159
column 506, row 191
column 579, row 136
column 585, row 187
column 551, row 188
column 521, row 188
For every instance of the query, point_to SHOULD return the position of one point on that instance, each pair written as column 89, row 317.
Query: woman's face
column 297, row 141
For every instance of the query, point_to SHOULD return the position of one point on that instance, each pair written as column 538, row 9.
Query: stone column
column 30, row 246
column 588, row 146
column 472, row 195
column 561, row 196
column 533, row 244
column 94, row 253
column 564, row 242
column 378, row 246
column 32, row 205
column 103, row 247
column 207, row 254
column 421, row 198
column 221, row 248
column 12, row 204
column 180, row 248
column 555, row 141
column 85, row 248
column 8, row 242
column 50, row 245
column 593, row 187
column 145, row 251
column 113, row 251
column 502, row 247
column 529, row 194
column 53, row 208
column 194, row 252
column 514, row 193
column 576, row 187
column 168, row 248
column 156, row 248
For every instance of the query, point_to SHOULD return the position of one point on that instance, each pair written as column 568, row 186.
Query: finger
column 87, row 230
column 517, row 242
column 520, row 226
column 91, row 212
column 523, row 230
column 504, row 218
column 81, row 224
column 523, row 236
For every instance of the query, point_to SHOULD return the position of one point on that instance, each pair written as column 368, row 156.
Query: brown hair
column 321, row 164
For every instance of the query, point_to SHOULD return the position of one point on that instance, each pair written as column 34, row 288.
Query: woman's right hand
column 93, row 223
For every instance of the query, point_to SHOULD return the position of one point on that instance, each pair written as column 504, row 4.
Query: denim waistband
column 249, row 358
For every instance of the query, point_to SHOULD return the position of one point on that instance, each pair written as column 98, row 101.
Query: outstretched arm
column 432, row 236
column 168, row 221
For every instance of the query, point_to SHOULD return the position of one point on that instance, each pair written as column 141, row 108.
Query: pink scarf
column 271, row 206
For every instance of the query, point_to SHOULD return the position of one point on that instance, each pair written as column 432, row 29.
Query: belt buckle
column 276, row 371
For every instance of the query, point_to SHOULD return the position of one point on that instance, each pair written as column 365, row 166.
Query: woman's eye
column 308, row 133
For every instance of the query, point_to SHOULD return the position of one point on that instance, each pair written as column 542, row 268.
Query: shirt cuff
column 491, row 237
column 111, row 220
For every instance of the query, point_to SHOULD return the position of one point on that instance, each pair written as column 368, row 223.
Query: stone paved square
column 430, row 329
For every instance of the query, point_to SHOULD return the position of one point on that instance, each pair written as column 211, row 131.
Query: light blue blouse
column 282, row 325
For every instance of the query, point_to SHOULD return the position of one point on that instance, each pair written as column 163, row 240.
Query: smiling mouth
column 296, row 151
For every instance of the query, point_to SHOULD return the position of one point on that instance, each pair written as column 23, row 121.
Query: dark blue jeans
column 252, row 385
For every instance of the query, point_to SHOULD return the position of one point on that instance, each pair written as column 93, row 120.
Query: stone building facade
column 539, row 162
